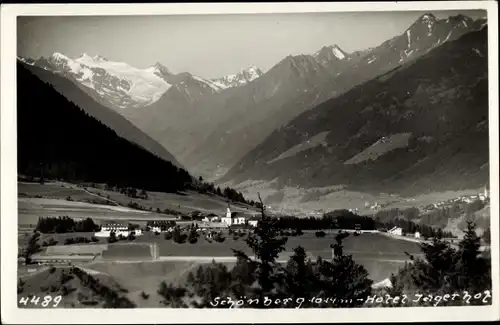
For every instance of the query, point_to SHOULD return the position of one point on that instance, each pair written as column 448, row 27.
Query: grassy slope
column 30, row 210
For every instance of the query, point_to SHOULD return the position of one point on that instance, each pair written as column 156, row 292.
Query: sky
column 211, row 46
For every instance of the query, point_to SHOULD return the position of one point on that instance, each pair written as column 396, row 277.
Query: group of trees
column 65, row 224
column 178, row 236
column 113, row 238
column 262, row 278
column 133, row 193
column 262, row 282
column 338, row 219
column 447, row 270
column 228, row 193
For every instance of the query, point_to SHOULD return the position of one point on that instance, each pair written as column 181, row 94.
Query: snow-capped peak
column 428, row 18
column 245, row 76
column 99, row 58
column 114, row 79
column 337, row 51
column 59, row 57
column 85, row 57
column 251, row 73
column 160, row 70
column 328, row 53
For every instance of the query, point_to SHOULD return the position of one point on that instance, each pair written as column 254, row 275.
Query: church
column 230, row 220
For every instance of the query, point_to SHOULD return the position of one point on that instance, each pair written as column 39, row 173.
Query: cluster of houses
column 483, row 197
column 375, row 206
column 230, row 219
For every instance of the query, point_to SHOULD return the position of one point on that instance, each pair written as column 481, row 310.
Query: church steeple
column 228, row 213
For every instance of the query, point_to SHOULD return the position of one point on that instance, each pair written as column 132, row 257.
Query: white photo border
column 9, row 310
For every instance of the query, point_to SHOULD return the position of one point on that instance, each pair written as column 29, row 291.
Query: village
column 481, row 196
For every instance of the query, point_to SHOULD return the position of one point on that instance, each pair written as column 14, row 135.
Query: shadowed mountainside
column 440, row 99
column 123, row 127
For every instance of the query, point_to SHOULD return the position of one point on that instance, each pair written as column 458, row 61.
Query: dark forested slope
column 58, row 136
column 73, row 91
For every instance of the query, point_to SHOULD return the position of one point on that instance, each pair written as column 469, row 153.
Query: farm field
column 23, row 238
column 55, row 190
column 30, row 209
column 184, row 202
column 51, row 201
column 128, row 251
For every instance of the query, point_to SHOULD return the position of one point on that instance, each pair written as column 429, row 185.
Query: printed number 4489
column 35, row 300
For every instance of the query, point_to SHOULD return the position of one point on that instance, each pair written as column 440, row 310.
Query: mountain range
column 255, row 125
column 420, row 127
column 121, row 85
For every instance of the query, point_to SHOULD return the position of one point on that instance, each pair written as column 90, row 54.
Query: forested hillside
column 57, row 139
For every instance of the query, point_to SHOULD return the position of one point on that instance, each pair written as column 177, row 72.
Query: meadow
column 380, row 254
column 50, row 199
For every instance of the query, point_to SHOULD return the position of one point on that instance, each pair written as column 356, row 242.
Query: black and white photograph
column 274, row 159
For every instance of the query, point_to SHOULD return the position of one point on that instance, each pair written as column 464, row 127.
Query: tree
column 32, row 247
column 301, row 278
column 320, row 234
column 446, row 270
column 193, row 235
column 343, row 277
column 172, row 295
column 487, row 236
column 207, row 283
column 266, row 244
column 474, row 270
column 112, row 237
column 178, row 237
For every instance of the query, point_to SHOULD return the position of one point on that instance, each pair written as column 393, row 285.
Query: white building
column 155, row 229
column 239, row 221
column 396, row 231
column 417, row 234
column 114, row 227
column 107, row 233
column 229, row 220
column 484, row 196
column 119, row 229
column 253, row 222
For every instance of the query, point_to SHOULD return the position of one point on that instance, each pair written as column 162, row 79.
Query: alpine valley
column 409, row 115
